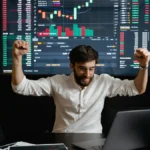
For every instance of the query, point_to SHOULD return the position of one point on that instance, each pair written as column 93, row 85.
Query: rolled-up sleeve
column 40, row 87
column 121, row 87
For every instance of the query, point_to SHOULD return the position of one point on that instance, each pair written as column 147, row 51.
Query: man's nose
column 87, row 73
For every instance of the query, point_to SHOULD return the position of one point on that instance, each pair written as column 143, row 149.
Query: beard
column 82, row 80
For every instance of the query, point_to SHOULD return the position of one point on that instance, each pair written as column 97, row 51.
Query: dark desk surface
column 66, row 138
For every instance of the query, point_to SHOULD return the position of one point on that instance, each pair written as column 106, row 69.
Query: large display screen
column 115, row 28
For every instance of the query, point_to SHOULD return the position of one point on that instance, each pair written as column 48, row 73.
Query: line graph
column 70, row 14
column 59, row 13
column 76, row 18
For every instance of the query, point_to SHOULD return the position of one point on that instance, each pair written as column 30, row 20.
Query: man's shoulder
column 60, row 77
column 102, row 78
column 103, row 75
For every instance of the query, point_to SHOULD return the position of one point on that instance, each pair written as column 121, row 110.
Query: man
column 79, row 97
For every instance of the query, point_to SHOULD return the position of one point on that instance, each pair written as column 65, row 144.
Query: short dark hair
column 83, row 53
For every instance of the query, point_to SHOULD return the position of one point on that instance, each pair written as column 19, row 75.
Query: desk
column 66, row 138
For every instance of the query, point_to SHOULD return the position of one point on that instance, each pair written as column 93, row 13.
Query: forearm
column 17, row 73
column 141, row 80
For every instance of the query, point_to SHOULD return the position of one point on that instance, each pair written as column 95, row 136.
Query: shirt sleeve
column 40, row 87
column 121, row 87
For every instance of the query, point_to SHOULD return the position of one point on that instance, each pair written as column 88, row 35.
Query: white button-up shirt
column 77, row 110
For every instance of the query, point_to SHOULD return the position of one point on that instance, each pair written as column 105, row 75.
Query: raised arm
column 20, row 48
column 142, row 55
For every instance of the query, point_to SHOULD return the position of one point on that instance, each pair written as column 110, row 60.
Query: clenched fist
column 142, row 55
column 20, row 48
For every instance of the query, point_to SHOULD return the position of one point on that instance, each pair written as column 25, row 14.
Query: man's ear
column 71, row 66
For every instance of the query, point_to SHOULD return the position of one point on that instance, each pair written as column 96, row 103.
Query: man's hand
column 142, row 55
column 20, row 48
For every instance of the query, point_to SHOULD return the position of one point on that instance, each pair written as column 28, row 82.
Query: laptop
column 130, row 130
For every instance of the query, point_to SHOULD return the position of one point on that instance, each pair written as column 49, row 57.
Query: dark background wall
column 22, row 116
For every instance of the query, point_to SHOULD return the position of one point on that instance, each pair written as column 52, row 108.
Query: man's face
column 83, row 72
